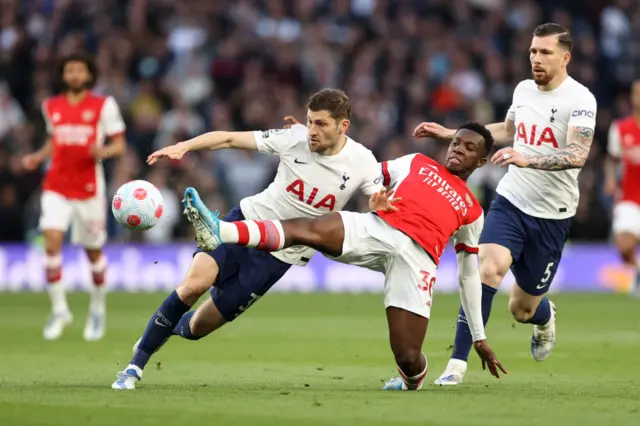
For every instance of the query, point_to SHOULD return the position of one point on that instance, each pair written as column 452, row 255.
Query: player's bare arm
column 32, row 161
column 212, row 141
column 116, row 147
column 572, row 157
column 611, row 174
column 503, row 132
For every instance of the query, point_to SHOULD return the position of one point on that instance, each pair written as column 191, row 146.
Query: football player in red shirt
column 403, row 237
column 624, row 147
column 78, row 122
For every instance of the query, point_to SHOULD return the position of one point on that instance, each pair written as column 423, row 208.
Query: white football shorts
column 86, row 217
column 372, row 243
column 626, row 218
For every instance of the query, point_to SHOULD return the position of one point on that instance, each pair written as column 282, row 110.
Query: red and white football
column 137, row 205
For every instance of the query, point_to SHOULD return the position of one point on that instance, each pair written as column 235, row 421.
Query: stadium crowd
column 178, row 68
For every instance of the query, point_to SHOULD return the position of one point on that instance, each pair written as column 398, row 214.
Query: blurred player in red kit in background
column 624, row 146
column 78, row 122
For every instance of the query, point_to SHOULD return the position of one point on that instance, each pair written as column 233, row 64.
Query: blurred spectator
column 182, row 67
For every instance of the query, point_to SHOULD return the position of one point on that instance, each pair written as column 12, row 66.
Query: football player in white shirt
column 551, row 124
column 320, row 169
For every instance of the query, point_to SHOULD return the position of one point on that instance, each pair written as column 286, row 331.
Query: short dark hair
column 335, row 101
column 550, row 28
column 78, row 57
column 482, row 131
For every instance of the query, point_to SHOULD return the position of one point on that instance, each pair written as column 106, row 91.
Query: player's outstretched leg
column 201, row 275
column 60, row 314
column 325, row 233
column 96, row 319
column 406, row 334
column 494, row 265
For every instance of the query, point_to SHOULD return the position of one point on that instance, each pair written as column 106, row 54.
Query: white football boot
column 55, row 325
column 453, row 374
column 544, row 337
column 127, row 378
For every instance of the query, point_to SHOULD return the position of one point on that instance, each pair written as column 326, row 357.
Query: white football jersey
column 542, row 120
column 308, row 184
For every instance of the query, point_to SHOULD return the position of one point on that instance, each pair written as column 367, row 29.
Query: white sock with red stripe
column 99, row 290
column 415, row 382
column 55, row 287
column 265, row 235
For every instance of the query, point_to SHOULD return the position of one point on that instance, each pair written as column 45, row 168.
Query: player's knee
column 195, row 284
column 627, row 249
column 492, row 272
column 52, row 245
column 94, row 254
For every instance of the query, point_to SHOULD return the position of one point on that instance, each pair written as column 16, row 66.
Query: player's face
column 76, row 76
column 324, row 131
column 547, row 58
column 635, row 96
column 466, row 153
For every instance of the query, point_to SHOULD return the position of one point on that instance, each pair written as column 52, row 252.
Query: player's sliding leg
column 627, row 242
column 96, row 319
column 202, row 273
column 539, row 311
column 60, row 313
column 406, row 334
column 196, row 324
column 494, row 265
column 325, row 233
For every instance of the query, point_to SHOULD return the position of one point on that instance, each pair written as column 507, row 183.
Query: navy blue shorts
column 536, row 244
column 245, row 274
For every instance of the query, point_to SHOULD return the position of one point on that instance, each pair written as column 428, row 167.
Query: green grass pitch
column 317, row 359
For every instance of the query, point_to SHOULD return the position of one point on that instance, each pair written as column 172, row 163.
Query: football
column 137, row 205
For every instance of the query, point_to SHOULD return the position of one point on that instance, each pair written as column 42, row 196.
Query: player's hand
column 382, row 200
column 488, row 358
column 433, row 130
column 173, row 152
column 31, row 162
column 506, row 156
column 291, row 121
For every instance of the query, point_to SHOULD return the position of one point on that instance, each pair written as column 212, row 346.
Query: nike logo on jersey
column 298, row 161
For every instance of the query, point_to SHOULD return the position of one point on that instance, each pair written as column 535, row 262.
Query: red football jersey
column 436, row 205
column 624, row 143
column 74, row 129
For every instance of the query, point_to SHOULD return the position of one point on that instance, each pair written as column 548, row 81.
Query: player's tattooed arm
column 572, row 157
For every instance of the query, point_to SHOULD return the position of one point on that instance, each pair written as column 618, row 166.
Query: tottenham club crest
column 345, row 178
